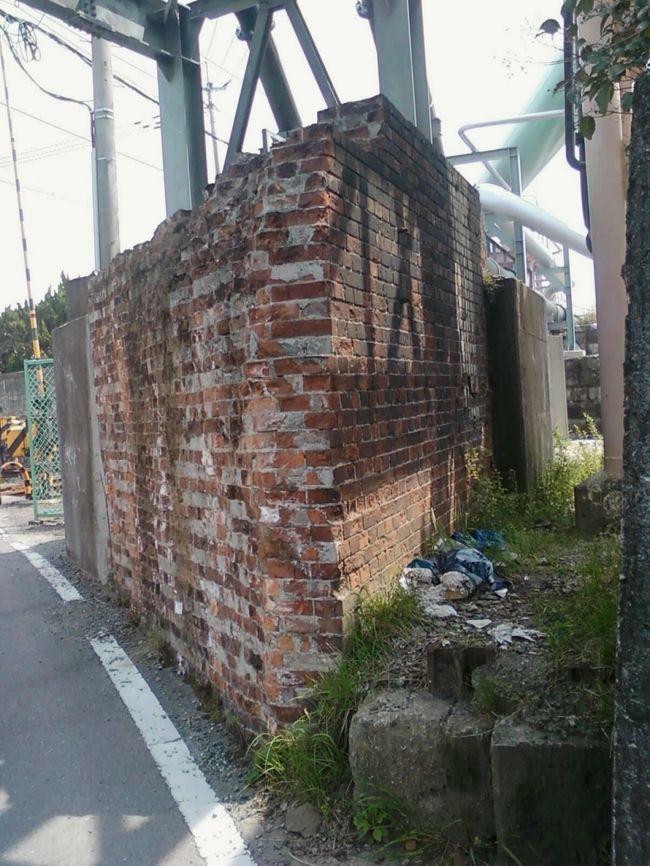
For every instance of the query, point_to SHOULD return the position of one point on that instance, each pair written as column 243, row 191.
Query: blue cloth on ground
column 481, row 538
column 469, row 561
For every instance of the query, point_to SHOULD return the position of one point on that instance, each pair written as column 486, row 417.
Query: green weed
column 554, row 501
column 581, row 628
column 385, row 820
column 308, row 760
column 493, row 697
column 159, row 645
column 495, row 504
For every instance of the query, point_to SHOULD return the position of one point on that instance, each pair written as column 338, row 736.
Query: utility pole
column 210, row 89
column 105, row 205
column 33, row 326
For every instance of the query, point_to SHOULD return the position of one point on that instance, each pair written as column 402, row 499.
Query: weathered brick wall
column 287, row 379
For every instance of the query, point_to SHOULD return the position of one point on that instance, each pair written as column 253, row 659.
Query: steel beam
column 216, row 8
column 129, row 23
column 276, row 85
column 181, row 113
column 310, row 51
column 249, row 84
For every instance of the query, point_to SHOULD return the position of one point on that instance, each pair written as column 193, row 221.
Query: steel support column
column 311, row 54
column 274, row 80
column 251, row 77
column 398, row 31
column 181, row 113
column 521, row 265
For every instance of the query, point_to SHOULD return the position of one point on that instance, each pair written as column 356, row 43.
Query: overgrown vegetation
column 160, row 646
column 581, row 627
column 495, row 504
column 308, row 760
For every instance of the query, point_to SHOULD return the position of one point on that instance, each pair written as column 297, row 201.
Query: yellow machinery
column 14, row 454
column 13, row 438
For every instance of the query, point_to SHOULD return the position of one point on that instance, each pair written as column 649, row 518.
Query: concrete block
column 557, row 385
column 598, row 504
column 552, row 797
column 434, row 759
column 450, row 668
column 468, row 795
column 76, row 292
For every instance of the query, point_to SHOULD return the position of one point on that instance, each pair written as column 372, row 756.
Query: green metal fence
column 44, row 458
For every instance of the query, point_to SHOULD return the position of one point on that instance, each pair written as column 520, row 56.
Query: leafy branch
column 621, row 53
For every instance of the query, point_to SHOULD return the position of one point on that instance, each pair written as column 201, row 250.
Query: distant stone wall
column 587, row 338
column 583, row 379
column 288, row 379
column 12, row 394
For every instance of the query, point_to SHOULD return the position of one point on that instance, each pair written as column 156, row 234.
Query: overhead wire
column 78, row 135
column 49, row 193
column 28, row 41
column 64, row 44
column 88, row 61
column 62, row 147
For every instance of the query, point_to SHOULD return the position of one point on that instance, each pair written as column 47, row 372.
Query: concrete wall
column 522, row 426
column 12, row 394
column 84, row 501
column 288, row 379
column 557, row 385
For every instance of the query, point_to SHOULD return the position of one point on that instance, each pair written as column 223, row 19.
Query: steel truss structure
column 168, row 32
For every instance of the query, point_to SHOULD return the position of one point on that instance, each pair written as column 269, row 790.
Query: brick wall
column 287, row 379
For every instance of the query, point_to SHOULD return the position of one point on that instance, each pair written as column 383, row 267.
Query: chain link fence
column 44, row 458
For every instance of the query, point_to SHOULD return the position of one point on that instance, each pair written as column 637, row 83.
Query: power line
column 18, row 60
column 49, row 193
column 62, row 147
column 64, row 44
column 88, row 61
column 48, row 123
column 84, row 137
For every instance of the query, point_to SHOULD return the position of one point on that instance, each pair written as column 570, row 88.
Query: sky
column 484, row 60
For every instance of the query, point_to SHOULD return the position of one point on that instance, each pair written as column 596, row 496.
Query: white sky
column 484, row 61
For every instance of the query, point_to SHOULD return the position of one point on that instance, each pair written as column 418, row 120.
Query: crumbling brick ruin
column 287, row 381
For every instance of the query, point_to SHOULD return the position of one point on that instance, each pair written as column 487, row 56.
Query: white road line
column 52, row 575
column 214, row 831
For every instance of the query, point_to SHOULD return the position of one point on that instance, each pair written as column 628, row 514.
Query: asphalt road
column 78, row 786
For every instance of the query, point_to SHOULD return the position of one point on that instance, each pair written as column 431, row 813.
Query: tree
column 621, row 55
column 632, row 723
column 15, row 335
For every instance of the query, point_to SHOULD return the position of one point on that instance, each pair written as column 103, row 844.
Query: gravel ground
column 260, row 820
column 534, row 690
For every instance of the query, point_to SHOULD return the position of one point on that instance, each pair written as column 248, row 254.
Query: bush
column 496, row 505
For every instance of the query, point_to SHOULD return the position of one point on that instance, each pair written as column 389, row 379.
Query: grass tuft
column 581, row 628
column 308, row 760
